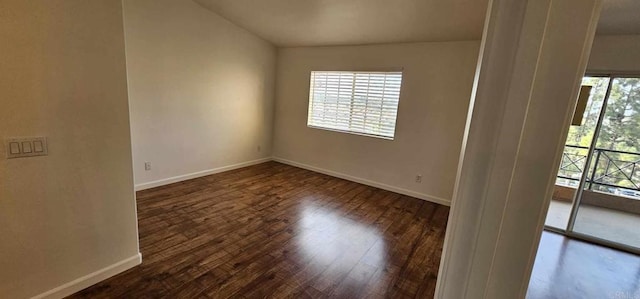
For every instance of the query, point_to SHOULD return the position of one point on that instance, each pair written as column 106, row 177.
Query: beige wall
column 62, row 75
column 435, row 94
column 617, row 53
column 200, row 90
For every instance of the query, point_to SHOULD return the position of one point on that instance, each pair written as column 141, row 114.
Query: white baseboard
column 198, row 174
column 91, row 278
column 427, row 197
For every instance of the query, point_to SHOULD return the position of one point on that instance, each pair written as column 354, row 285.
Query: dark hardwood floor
column 277, row 231
column 567, row 268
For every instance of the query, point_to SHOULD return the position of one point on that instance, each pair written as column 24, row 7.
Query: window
column 355, row 102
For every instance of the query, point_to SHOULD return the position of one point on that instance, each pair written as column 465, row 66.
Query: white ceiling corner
column 352, row 22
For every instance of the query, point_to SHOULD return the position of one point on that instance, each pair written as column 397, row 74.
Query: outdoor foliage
column 618, row 145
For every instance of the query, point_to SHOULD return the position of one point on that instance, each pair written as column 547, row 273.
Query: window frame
column 372, row 135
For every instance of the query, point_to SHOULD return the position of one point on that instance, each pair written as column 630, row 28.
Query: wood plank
column 273, row 230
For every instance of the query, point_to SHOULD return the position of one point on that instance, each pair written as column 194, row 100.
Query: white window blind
column 357, row 102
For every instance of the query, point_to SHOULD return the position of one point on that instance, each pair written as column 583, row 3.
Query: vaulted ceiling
column 348, row 22
column 352, row 22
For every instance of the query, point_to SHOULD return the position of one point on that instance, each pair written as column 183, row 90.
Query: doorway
column 597, row 192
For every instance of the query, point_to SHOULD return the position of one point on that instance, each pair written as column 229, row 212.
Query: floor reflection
column 334, row 245
column 567, row 268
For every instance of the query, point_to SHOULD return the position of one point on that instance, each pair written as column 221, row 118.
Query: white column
column 532, row 58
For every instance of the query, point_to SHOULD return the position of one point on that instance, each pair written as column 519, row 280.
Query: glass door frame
column 577, row 197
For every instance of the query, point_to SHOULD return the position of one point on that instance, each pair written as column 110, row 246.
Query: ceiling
column 349, row 22
column 352, row 22
column 620, row 17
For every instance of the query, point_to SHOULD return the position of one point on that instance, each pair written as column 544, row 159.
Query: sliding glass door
column 597, row 195
column 575, row 155
column 609, row 206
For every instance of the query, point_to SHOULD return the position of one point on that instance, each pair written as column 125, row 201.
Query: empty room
column 318, row 149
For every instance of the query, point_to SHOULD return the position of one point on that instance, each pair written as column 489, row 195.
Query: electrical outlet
column 147, row 166
column 419, row 178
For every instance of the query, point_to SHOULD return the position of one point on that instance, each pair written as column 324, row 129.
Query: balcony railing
column 616, row 172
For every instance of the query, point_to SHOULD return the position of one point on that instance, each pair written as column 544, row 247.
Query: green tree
column 620, row 132
column 621, row 123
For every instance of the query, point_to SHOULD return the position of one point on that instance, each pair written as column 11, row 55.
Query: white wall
column 200, row 90
column 435, row 94
column 615, row 53
column 71, row 213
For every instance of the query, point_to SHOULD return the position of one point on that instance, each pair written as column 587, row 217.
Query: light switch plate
column 26, row 147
